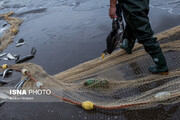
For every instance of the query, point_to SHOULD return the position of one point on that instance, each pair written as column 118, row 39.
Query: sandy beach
column 65, row 38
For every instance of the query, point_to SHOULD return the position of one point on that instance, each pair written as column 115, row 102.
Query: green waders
column 128, row 40
column 136, row 16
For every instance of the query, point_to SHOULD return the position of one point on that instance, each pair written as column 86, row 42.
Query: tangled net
column 8, row 36
column 119, row 80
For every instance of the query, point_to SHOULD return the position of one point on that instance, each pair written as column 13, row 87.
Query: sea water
column 18, row 6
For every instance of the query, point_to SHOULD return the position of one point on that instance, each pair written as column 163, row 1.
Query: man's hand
column 112, row 12
column 112, row 9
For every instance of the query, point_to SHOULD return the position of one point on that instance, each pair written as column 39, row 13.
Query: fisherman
column 136, row 16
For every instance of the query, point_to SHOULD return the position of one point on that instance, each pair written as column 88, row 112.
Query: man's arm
column 112, row 9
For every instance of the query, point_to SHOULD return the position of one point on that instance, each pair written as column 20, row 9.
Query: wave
column 173, row 6
column 83, row 5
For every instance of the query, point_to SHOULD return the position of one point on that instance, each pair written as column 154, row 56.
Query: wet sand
column 64, row 38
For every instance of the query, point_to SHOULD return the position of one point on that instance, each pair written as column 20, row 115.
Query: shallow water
column 19, row 6
column 173, row 6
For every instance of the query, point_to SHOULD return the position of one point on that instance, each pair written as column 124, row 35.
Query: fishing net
column 117, row 81
column 9, row 34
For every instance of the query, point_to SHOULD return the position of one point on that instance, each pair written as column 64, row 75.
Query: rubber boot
column 127, row 46
column 161, row 65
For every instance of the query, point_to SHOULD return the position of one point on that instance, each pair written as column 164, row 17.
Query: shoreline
column 65, row 38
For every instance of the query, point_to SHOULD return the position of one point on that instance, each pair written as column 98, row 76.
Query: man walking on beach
column 136, row 16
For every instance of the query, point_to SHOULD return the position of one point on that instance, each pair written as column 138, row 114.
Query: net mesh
column 119, row 79
column 8, row 36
